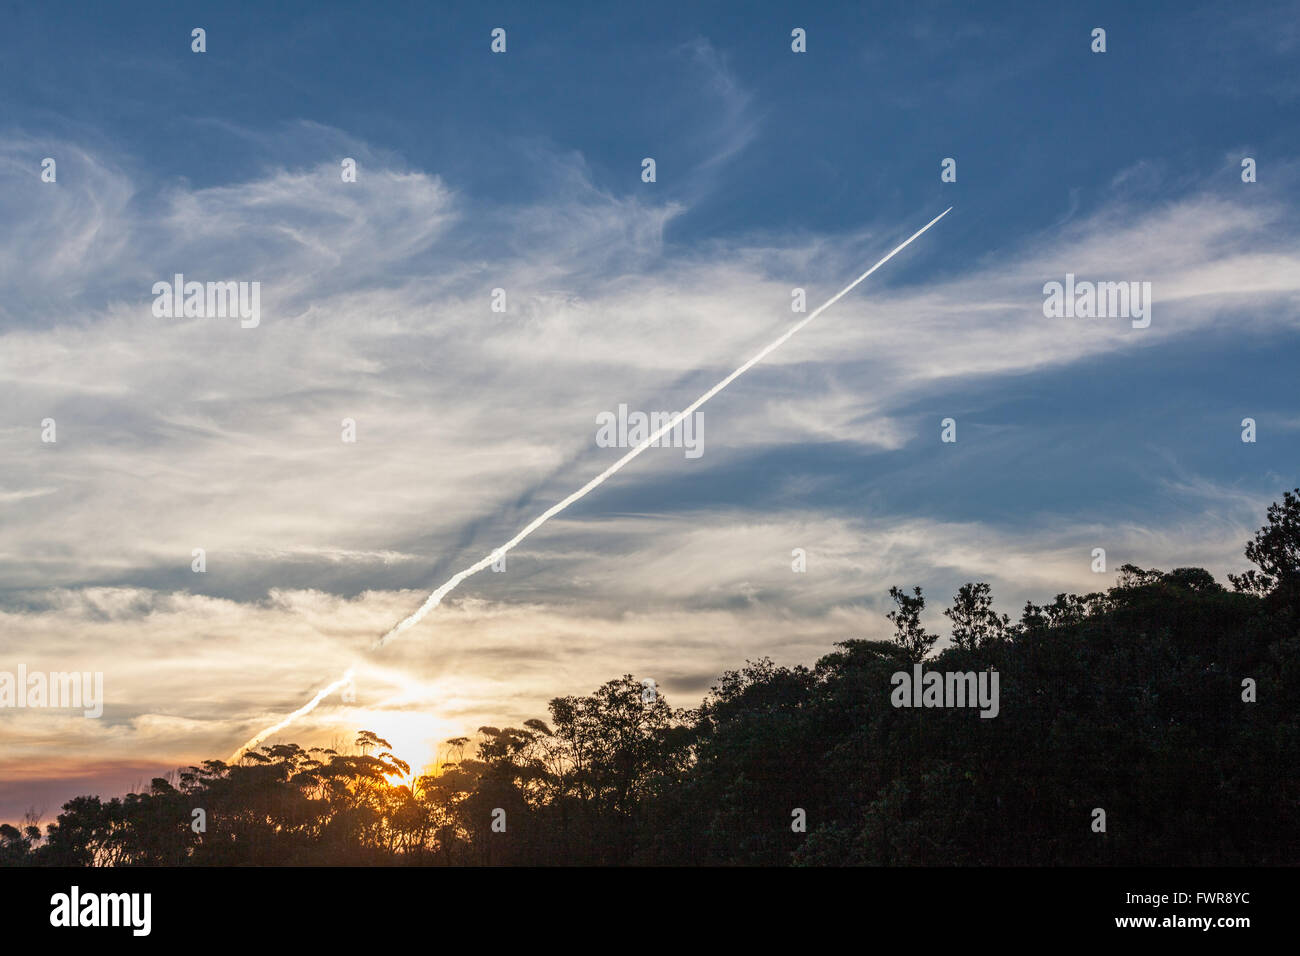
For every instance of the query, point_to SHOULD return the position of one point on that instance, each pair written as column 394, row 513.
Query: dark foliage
column 1131, row 700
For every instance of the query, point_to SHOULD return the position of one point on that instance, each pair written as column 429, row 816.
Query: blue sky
column 522, row 171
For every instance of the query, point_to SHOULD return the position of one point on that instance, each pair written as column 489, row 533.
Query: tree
column 910, row 634
column 1275, row 549
column 1142, row 687
column 974, row 622
column 616, row 743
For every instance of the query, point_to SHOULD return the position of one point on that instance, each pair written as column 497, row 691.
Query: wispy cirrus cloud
column 176, row 434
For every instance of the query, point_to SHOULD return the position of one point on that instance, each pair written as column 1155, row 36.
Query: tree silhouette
column 974, row 622
column 910, row 634
column 1168, row 699
column 1275, row 549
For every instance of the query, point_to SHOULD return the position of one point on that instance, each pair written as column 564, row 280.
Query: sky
column 523, row 171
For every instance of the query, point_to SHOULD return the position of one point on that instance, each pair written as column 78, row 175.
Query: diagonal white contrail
column 434, row 599
column 302, row 711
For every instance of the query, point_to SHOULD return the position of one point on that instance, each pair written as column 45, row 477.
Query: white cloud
column 177, row 434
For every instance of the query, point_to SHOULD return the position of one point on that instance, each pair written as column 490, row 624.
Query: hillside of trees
column 1168, row 701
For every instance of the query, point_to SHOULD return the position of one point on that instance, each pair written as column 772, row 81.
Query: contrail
column 302, row 711
column 434, row 599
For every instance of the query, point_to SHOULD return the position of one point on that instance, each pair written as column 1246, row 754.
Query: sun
column 414, row 736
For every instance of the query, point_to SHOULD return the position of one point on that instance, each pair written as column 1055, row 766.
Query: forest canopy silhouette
column 1168, row 701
